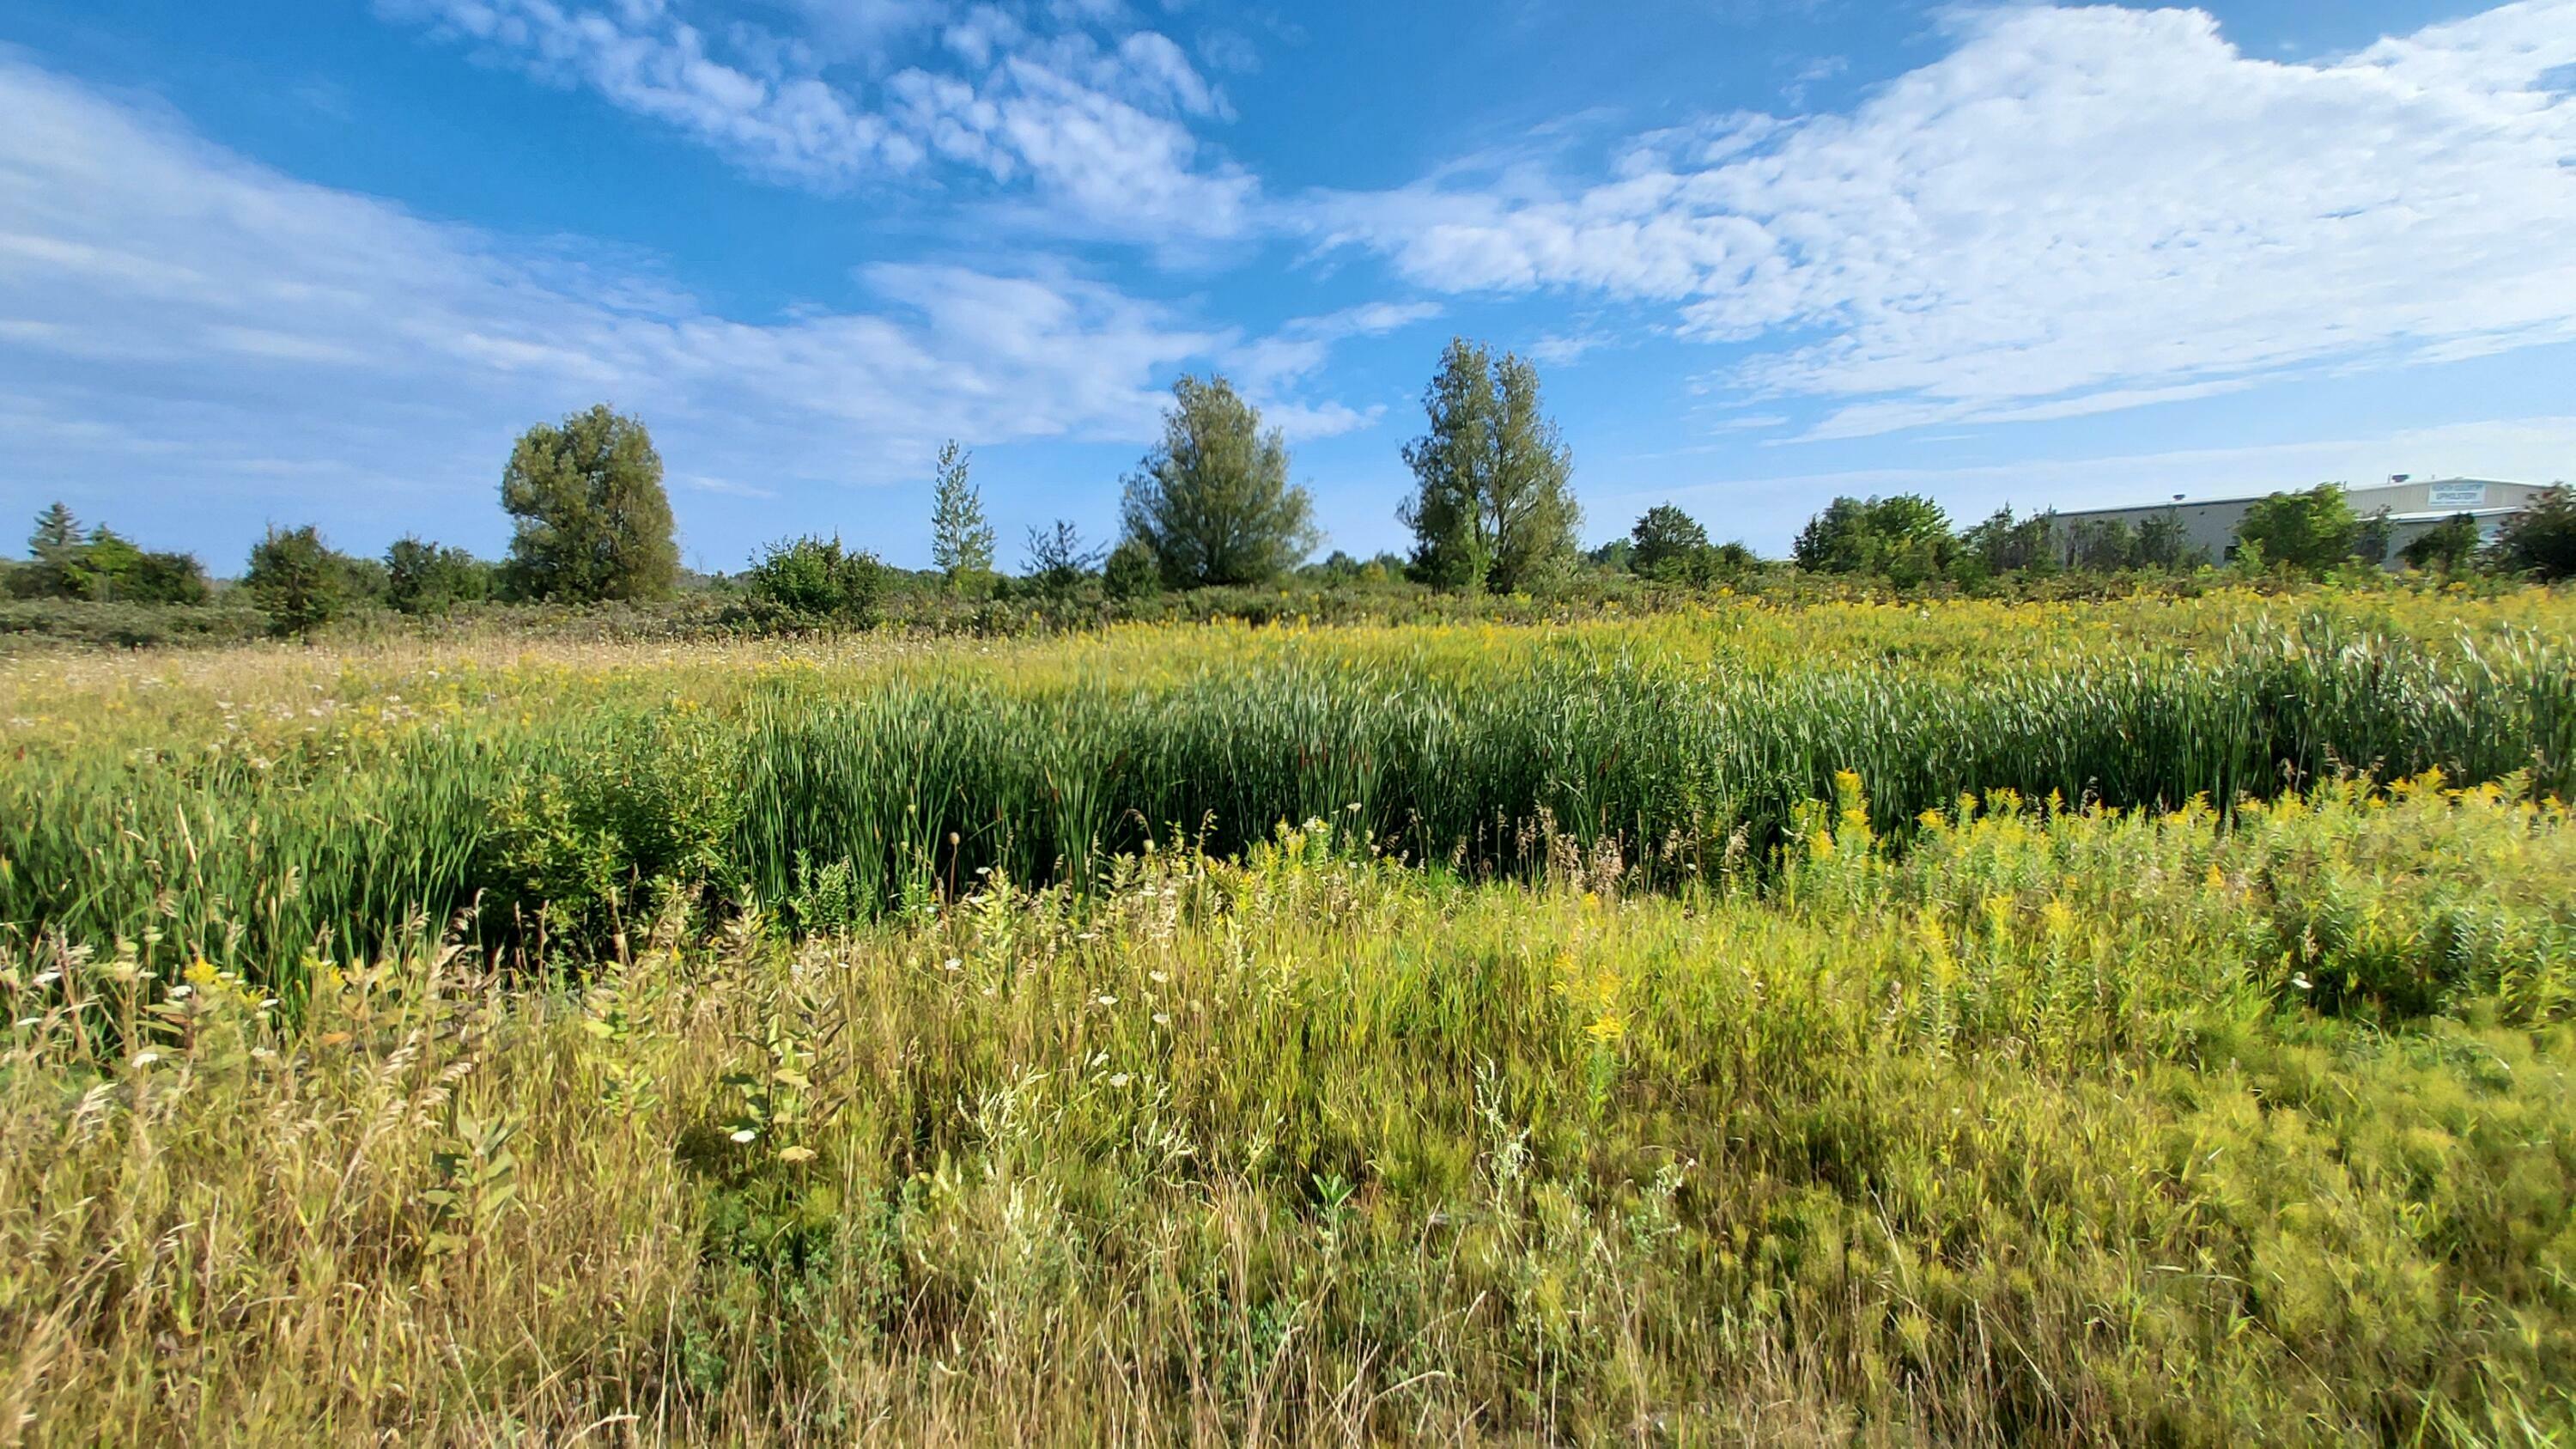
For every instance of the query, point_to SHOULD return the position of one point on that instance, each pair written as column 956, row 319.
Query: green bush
column 426, row 578
column 298, row 581
column 808, row 582
column 2541, row 540
column 616, row 827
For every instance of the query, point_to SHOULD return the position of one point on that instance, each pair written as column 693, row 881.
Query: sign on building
column 2456, row 495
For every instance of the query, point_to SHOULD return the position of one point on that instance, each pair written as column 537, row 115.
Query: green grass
column 2080, row 1023
column 2066, row 1127
column 553, row 826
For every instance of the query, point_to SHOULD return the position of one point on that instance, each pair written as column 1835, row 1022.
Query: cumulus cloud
column 184, row 327
column 2073, row 210
column 1099, row 130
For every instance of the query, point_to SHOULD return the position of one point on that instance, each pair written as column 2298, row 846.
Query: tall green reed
column 927, row 776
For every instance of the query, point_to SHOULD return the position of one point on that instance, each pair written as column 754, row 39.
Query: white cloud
column 1271, row 370
column 1099, row 131
column 2072, row 210
column 178, row 323
column 1564, row 349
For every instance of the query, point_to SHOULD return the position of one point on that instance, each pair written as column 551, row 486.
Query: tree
column 103, row 566
column 2102, row 545
column 961, row 542
column 2164, row 542
column 807, row 581
column 2374, row 537
column 426, row 578
column 1493, row 508
column 297, row 580
column 1212, row 500
column 2313, row 530
column 1618, row 556
column 2004, row 545
column 1904, row 538
column 1130, row 571
column 1057, row 563
column 168, row 578
column 1669, row 546
column 2446, row 548
column 2541, row 539
column 56, row 530
column 592, row 520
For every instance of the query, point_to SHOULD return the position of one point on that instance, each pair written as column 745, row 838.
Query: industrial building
column 2414, row 506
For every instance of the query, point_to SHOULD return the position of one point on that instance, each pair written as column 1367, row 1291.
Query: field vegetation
column 2103, row 1022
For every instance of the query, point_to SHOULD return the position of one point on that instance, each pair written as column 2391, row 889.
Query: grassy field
column 2128, row 1022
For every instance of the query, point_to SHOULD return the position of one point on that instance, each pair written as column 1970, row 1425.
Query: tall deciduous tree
column 1213, row 500
column 1492, row 506
column 593, row 520
column 1904, row 538
column 961, row 541
column 2313, row 530
column 1668, row 545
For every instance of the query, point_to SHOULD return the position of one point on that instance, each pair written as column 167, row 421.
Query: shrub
column 617, row 827
column 2541, row 539
column 1130, row 572
column 808, row 582
column 297, row 580
column 426, row 578
column 2447, row 547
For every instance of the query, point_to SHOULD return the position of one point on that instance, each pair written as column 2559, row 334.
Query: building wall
column 2415, row 505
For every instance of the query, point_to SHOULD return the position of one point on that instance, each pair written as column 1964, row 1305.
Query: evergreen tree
column 56, row 530
column 961, row 541
column 1493, row 507
column 1212, row 500
column 1130, row 571
column 593, row 520
column 1057, row 563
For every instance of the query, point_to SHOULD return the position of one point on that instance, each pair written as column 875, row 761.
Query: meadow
column 2109, row 1022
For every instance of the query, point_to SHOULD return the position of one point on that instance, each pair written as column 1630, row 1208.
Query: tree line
column 1908, row 540
column 1211, row 504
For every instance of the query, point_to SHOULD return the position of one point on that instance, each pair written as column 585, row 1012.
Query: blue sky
column 291, row 262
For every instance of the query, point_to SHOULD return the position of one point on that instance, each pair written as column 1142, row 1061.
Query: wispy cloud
column 1275, row 371
column 2071, row 211
column 1098, row 130
column 184, row 323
